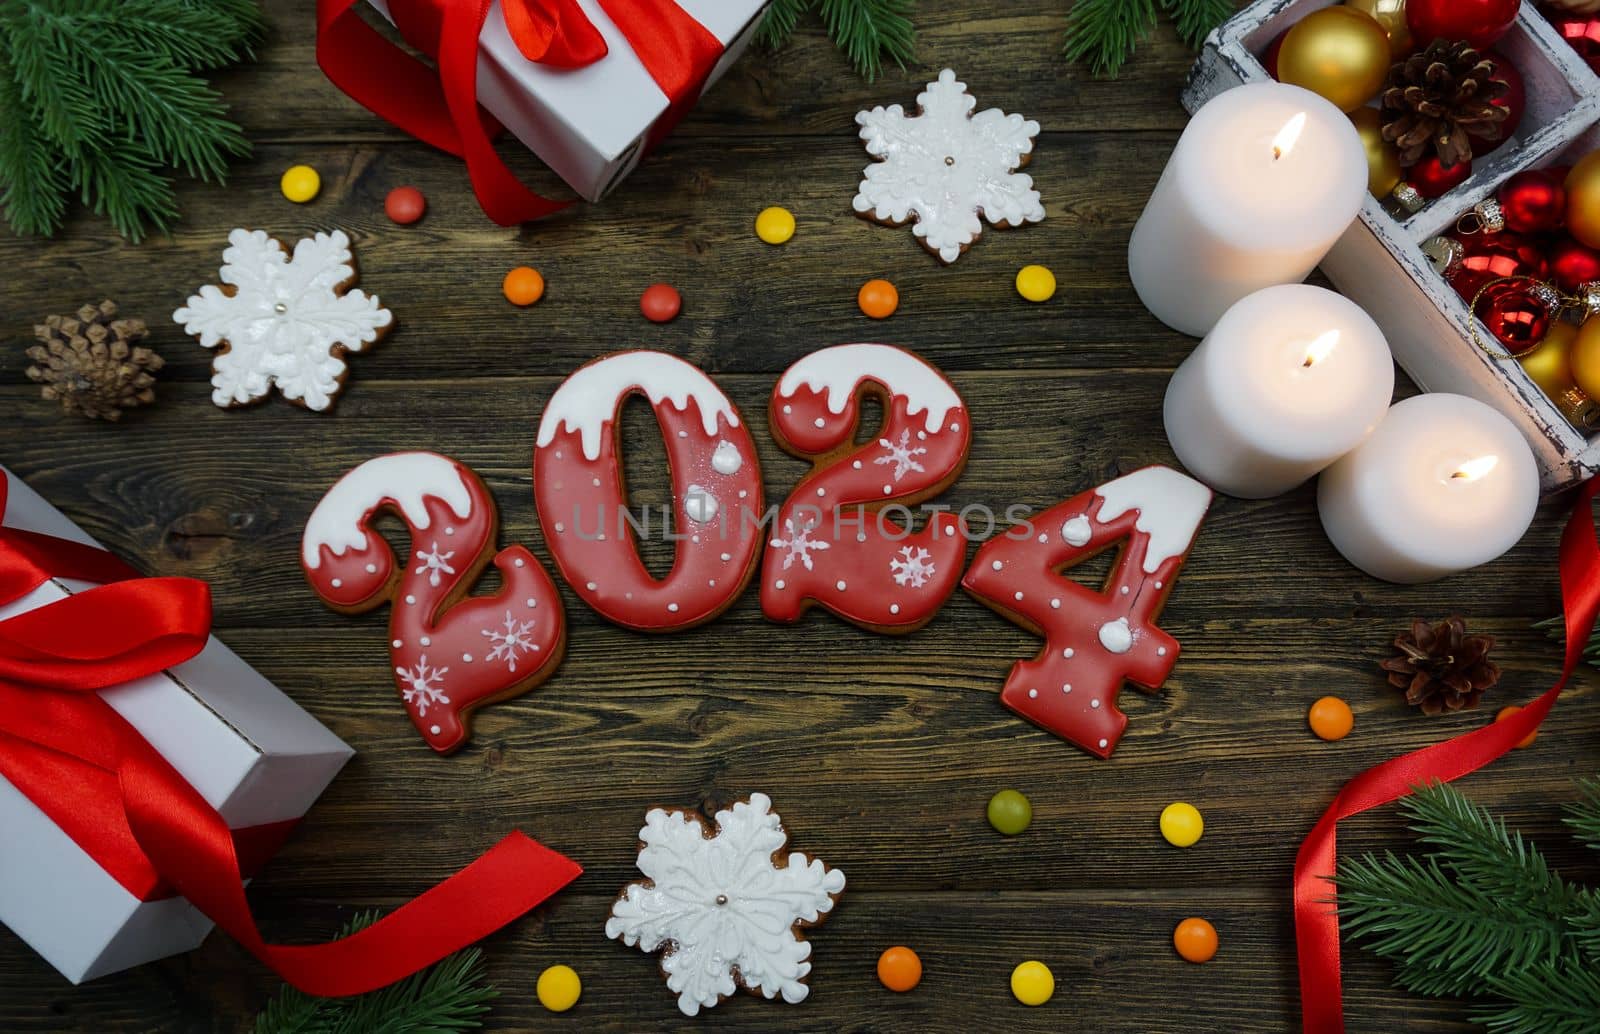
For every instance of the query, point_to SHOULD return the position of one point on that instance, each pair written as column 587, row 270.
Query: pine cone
column 94, row 364
column 1439, row 98
column 1441, row 667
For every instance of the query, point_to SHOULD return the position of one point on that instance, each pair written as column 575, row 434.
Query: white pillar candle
column 1262, row 183
column 1290, row 379
column 1445, row 483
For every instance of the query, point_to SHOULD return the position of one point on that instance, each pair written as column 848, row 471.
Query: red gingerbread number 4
column 451, row 653
column 1094, row 642
column 835, row 541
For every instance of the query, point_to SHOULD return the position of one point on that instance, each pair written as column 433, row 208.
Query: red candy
column 660, row 303
column 716, row 492
column 451, row 655
column 836, row 540
column 405, row 205
column 1094, row 641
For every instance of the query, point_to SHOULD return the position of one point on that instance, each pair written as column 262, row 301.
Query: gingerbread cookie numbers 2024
column 451, row 655
column 836, row 541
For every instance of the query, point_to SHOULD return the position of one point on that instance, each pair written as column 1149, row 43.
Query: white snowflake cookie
column 726, row 907
column 944, row 167
column 283, row 321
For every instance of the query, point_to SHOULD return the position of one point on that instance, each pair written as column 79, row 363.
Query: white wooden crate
column 1379, row 263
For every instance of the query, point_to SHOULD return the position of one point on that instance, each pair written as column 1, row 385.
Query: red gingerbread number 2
column 1094, row 641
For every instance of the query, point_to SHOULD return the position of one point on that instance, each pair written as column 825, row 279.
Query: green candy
column 1009, row 812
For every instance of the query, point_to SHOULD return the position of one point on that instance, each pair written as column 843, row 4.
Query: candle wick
column 1277, row 155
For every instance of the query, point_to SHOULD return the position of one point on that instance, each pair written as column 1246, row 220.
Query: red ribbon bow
column 440, row 107
column 1315, row 919
column 118, row 798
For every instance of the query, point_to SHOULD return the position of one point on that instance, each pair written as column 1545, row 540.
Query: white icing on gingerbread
column 700, row 504
column 587, row 400
column 1076, row 531
column 1171, row 507
column 1116, row 636
column 405, row 478
column 726, row 910
column 841, row 369
column 726, row 459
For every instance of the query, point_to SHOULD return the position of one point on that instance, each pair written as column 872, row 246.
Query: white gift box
column 248, row 749
column 590, row 124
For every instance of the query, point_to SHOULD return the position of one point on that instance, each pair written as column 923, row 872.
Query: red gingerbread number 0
column 1094, row 641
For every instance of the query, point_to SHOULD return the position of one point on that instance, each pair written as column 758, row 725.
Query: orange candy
column 1196, row 940
column 878, row 299
column 1507, row 712
column 523, row 286
column 899, row 968
column 1331, row 719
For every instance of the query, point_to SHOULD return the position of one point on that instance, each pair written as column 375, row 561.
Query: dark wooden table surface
column 880, row 753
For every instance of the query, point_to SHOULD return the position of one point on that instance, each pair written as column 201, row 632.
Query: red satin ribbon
column 440, row 106
column 137, row 816
column 1316, row 922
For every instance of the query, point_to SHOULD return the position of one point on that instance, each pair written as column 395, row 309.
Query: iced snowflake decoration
column 901, row 454
column 913, row 567
column 284, row 321
column 799, row 543
column 422, row 686
column 724, row 906
column 435, row 563
column 509, row 641
column 944, row 166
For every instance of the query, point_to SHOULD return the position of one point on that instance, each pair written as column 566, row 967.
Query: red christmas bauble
column 1534, row 201
column 1514, row 314
column 1572, row 265
column 1580, row 30
column 1515, row 102
column 1480, row 23
column 1488, row 257
column 1431, row 179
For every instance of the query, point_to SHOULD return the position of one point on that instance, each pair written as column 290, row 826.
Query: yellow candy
column 300, row 183
column 1033, row 983
column 775, row 225
column 558, row 988
column 1036, row 283
column 1181, row 824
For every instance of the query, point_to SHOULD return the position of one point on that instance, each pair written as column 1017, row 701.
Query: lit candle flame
column 1288, row 136
column 1472, row 470
column 1321, row 348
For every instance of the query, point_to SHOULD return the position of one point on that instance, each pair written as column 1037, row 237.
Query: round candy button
column 1196, row 940
column 1507, row 712
column 775, row 225
column 300, row 183
column 523, row 286
column 899, row 968
column 1010, row 812
column 878, row 299
column 405, row 205
column 660, row 303
column 1331, row 718
column 1181, row 824
column 1036, row 283
column 1033, row 983
column 558, row 988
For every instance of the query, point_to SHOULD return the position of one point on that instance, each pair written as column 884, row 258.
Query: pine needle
column 32, row 186
column 1103, row 33
column 1196, row 18
column 447, row 997
column 1556, row 629
column 867, row 31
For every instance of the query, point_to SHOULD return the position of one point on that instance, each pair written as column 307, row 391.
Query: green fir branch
column 188, row 36
column 1556, row 629
column 1103, row 33
column 32, row 184
column 125, row 188
column 1583, row 817
column 1483, row 916
column 1195, row 19
column 447, row 997
column 868, row 32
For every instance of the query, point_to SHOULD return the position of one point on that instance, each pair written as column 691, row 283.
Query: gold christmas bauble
column 1391, row 15
column 1383, row 161
column 1583, row 200
column 1550, row 362
column 1585, row 358
column 1338, row 52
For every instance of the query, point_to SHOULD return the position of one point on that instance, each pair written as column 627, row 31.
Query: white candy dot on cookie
column 397, row 644
column 337, row 582
column 839, row 585
column 425, row 641
column 894, row 608
column 591, row 586
column 435, row 730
